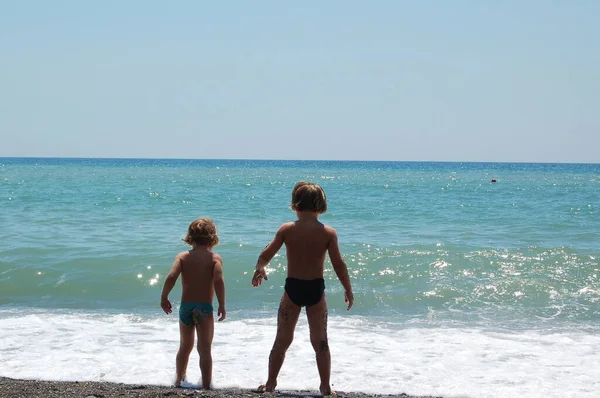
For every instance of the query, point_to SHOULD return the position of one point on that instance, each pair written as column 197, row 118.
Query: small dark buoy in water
column 494, row 180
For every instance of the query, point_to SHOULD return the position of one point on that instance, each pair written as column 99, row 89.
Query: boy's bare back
column 307, row 242
column 197, row 273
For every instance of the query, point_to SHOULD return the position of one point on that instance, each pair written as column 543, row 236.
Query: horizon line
column 295, row 160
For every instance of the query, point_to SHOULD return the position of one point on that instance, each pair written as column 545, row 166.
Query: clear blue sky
column 459, row 80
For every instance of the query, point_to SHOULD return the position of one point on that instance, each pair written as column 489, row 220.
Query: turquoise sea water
column 434, row 249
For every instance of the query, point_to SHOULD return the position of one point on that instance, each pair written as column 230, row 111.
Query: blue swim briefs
column 193, row 313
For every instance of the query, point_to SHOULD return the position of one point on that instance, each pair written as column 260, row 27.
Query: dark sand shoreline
column 16, row 388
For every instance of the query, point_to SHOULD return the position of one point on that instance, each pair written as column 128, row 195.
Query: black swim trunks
column 305, row 292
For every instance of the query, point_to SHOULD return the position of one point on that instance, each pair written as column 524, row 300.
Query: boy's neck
column 200, row 247
column 307, row 215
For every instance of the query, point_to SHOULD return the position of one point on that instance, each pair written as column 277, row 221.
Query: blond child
column 201, row 277
column 307, row 242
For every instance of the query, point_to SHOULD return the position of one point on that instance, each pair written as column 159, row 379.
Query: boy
column 201, row 277
column 307, row 241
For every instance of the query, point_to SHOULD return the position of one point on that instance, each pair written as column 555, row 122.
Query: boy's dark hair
column 202, row 231
column 308, row 196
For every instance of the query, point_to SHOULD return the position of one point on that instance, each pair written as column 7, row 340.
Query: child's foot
column 180, row 380
column 266, row 387
column 327, row 392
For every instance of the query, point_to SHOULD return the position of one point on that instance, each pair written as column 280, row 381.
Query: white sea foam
column 367, row 356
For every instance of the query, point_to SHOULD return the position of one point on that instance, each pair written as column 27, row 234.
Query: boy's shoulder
column 182, row 255
column 286, row 224
column 329, row 229
column 217, row 257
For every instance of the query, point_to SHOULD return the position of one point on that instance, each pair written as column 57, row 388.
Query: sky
column 455, row 80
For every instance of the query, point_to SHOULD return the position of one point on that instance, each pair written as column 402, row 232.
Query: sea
column 470, row 279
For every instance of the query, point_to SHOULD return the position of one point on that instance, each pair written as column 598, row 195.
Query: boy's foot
column 179, row 381
column 265, row 388
column 327, row 392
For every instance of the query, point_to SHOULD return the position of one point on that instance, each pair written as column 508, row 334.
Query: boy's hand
column 221, row 313
column 165, row 304
column 349, row 298
column 259, row 274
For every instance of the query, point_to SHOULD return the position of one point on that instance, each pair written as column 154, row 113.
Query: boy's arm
column 169, row 284
column 267, row 255
column 219, row 283
column 340, row 268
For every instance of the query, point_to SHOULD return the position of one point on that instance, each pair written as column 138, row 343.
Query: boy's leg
column 317, row 323
column 206, row 331
column 186, row 345
column 287, row 317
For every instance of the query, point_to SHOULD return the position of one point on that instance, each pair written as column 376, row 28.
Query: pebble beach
column 16, row 388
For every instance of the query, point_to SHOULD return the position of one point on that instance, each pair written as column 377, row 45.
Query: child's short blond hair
column 202, row 231
column 308, row 196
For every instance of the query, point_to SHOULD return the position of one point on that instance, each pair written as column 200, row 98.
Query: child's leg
column 186, row 345
column 206, row 331
column 287, row 317
column 317, row 323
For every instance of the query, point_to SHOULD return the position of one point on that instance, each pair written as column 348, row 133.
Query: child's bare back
column 306, row 243
column 197, row 272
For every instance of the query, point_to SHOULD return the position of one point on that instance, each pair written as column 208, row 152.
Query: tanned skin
column 201, row 278
column 307, row 242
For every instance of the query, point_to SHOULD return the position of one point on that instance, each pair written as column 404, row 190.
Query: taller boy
column 307, row 242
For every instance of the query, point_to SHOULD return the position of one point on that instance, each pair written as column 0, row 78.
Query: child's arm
column 340, row 268
column 219, row 283
column 169, row 284
column 267, row 255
